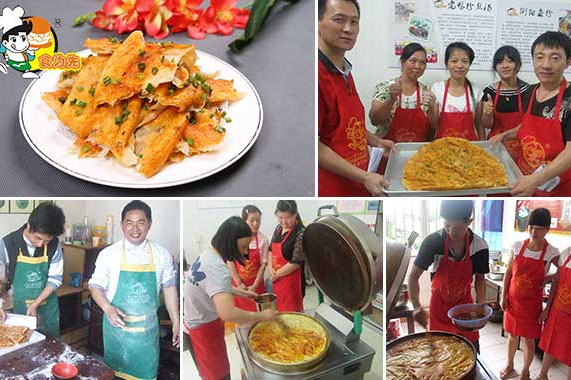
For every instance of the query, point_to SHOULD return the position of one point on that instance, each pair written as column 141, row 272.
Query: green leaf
column 258, row 15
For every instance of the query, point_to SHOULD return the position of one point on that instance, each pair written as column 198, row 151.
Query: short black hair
column 456, row 210
column 225, row 240
column 26, row 27
column 459, row 46
column 289, row 206
column 507, row 51
column 47, row 219
column 410, row 49
column 322, row 8
column 553, row 40
column 540, row 217
column 137, row 205
column 249, row 209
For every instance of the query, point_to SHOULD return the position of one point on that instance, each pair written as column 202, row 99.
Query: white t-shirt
column 455, row 103
column 550, row 253
column 564, row 254
column 108, row 265
column 208, row 276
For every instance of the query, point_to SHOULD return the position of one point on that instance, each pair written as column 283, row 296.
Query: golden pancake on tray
column 429, row 357
column 143, row 104
column 294, row 339
column 452, row 163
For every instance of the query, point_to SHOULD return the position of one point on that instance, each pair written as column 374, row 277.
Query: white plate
column 42, row 130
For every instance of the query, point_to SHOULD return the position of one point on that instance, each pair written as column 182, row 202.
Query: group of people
column 223, row 281
column 532, row 121
column 126, row 283
column 458, row 258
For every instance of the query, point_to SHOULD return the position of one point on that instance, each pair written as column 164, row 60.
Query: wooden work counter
column 36, row 360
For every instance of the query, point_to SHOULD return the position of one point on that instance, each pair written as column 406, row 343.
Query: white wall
column 202, row 219
column 166, row 220
column 370, row 56
column 165, row 228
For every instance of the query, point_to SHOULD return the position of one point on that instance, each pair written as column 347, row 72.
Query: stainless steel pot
column 266, row 301
column 345, row 258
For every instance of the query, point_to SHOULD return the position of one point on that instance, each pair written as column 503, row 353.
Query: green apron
column 20, row 66
column 30, row 279
column 132, row 351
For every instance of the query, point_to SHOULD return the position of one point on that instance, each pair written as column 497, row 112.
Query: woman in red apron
column 250, row 275
column 522, row 294
column 405, row 123
column 208, row 301
column 460, row 122
column 505, row 112
column 286, row 258
column 556, row 338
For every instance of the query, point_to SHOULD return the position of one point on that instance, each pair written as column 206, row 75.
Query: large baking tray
column 397, row 160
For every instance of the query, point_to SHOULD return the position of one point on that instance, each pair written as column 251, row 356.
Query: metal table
column 483, row 372
column 343, row 361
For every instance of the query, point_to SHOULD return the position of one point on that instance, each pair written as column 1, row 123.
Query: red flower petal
column 126, row 23
column 196, row 33
column 102, row 21
column 241, row 17
column 224, row 29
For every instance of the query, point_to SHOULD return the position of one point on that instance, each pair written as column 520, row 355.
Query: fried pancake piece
column 54, row 99
column 79, row 106
column 168, row 95
column 102, row 46
column 453, row 163
column 223, row 90
column 158, row 140
column 203, row 136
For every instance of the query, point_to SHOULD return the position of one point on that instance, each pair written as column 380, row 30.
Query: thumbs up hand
column 395, row 89
column 488, row 105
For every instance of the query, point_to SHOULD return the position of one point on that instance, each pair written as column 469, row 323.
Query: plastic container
column 99, row 235
column 470, row 316
column 109, row 228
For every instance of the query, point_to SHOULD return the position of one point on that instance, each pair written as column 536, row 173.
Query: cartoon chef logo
column 563, row 299
column 29, row 44
column 138, row 289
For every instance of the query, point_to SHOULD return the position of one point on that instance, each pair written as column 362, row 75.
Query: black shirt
column 546, row 110
column 432, row 251
column 508, row 98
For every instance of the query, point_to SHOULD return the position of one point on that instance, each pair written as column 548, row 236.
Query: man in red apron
column 546, row 152
column 343, row 137
column 457, row 255
column 522, row 294
column 556, row 339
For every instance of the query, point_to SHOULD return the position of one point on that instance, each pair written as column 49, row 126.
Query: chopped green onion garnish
column 81, row 104
column 149, row 88
column 140, row 76
column 61, row 99
column 154, row 70
column 115, row 81
column 85, row 149
column 141, row 52
column 91, row 91
column 106, row 81
column 219, row 128
column 190, row 141
column 73, row 102
column 141, row 66
column 79, row 88
column 113, row 39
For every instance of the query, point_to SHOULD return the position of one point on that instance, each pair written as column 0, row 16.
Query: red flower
column 184, row 14
column 125, row 13
column 102, row 21
column 221, row 17
column 155, row 15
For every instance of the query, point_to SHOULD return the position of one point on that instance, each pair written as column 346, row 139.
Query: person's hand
column 273, row 275
column 32, row 310
column 268, row 314
column 421, row 316
column 497, row 139
column 388, row 146
column 241, row 286
column 524, row 186
column 252, row 288
column 395, row 89
column 176, row 334
column 375, row 184
column 431, row 99
column 505, row 303
column 2, row 316
column 114, row 316
column 543, row 316
column 488, row 105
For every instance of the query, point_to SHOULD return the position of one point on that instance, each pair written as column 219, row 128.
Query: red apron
column 287, row 288
column 525, row 295
column 542, row 140
column 409, row 125
column 451, row 286
column 504, row 121
column 210, row 350
column 350, row 142
column 456, row 124
column 556, row 337
column 248, row 273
